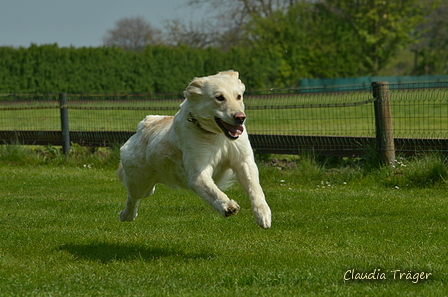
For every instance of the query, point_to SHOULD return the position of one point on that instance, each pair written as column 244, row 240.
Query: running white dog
column 199, row 148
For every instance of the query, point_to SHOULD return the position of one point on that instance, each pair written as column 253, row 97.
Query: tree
column 432, row 52
column 306, row 41
column 225, row 26
column 240, row 10
column 199, row 35
column 132, row 33
column 382, row 27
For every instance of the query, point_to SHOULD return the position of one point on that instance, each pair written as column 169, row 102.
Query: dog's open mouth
column 231, row 131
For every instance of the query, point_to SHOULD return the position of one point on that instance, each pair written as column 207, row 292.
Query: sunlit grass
column 61, row 235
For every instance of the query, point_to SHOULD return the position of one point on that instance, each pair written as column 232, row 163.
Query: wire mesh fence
column 420, row 113
column 340, row 121
column 335, row 114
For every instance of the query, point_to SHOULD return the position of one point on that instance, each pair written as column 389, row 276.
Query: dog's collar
column 193, row 120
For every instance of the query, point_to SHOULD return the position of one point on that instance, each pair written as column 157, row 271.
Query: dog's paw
column 127, row 216
column 231, row 209
column 263, row 216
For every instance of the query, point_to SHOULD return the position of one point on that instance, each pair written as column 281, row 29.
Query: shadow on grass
column 108, row 252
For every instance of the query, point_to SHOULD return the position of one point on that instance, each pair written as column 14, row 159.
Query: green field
column 418, row 114
column 61, row 235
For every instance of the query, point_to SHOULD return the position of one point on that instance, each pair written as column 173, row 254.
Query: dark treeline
column 306, row 39
column 158, row 69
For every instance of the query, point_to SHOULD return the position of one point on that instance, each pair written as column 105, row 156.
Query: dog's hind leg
column 135, row 195
column 129, row 213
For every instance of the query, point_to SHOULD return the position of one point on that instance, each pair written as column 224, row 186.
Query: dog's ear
column 242, row 85
column 194, row 89
column 232, row 73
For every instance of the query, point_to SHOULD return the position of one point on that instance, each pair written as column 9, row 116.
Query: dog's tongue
column 234, row 131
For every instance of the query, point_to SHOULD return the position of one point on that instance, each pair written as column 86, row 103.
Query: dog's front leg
column 203, row 185
column 247, row 174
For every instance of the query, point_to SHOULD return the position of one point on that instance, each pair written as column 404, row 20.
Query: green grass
column 61, row 235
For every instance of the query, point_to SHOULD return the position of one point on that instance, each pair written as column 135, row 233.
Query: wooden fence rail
column 384, row 144
column 338, row 146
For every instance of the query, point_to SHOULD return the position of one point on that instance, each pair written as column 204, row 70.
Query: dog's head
column 216, row 102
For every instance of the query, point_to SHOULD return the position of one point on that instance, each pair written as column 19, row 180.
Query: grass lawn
column 61, row 236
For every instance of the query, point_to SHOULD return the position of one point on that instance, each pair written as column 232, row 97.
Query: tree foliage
column 380, row 27
column 157, row 69
column 432, row 50
column 305, row 42
column 357, row 37
column 227, row 24
column 276, row 43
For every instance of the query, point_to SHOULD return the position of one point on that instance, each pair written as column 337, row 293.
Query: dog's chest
column 222, row 156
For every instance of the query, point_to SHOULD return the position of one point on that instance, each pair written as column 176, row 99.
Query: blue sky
column 79, row 22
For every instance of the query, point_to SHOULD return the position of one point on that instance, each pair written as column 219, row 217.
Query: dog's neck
column 193, row 120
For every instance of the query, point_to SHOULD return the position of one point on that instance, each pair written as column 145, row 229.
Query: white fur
column 190, row 150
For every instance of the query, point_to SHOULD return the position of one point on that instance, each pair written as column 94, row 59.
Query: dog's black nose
column 239, row 117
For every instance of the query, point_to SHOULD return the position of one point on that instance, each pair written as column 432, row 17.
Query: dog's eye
column 238, row 97
column 220, row 98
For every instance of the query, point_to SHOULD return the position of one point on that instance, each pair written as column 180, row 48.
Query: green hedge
column 159, row 69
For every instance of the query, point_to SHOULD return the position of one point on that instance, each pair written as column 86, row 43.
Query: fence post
column 64, row 123
column 383, row 122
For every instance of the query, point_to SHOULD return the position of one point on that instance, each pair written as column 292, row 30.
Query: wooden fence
column 383, row 142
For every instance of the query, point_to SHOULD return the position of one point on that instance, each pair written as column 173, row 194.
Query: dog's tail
column 120, row 172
